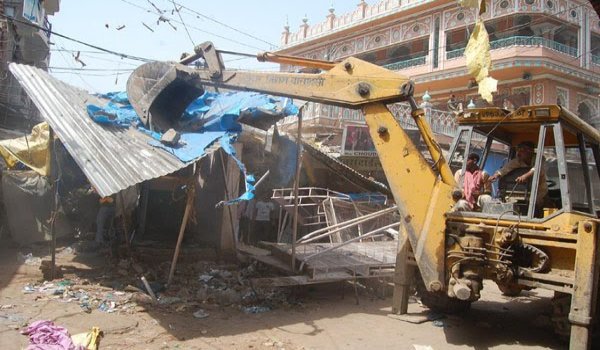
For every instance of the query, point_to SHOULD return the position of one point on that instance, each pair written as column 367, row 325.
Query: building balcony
column 521, row 41
column 413, row 62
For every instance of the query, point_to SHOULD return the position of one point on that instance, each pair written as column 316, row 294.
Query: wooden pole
column 188, row 208
column 54, row 181
column 227, row 198
column 296, row 186
column 124, row 221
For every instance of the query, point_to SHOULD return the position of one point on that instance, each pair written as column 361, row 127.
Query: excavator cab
column 565, row 167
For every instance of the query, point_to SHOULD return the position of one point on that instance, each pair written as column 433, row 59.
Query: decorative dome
column 471, row 104
column 305, row 19
column 426, row 97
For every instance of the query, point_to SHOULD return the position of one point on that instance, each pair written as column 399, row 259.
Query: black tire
column 510, row 290
column 441, row 302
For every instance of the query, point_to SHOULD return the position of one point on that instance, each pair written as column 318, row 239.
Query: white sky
column 86, row 21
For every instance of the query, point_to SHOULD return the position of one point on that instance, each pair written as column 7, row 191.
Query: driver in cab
column 525, row 159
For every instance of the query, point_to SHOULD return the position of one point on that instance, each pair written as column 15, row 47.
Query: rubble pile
column 198, row 285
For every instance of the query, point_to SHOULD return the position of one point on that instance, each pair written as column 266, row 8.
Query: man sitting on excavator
column 474, row 184
column 525, row 159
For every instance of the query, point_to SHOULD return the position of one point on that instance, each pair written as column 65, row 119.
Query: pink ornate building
column 543, row 52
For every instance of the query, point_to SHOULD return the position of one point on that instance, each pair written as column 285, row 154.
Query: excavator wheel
column 440, row 302
column 510, row 289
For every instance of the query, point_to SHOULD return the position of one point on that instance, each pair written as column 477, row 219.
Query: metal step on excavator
column 540, row 234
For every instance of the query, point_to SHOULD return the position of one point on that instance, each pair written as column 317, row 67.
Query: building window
column 436, row 41
column 549, row 4
column 521, row 96
column 377, row 39
column 529, row 2
column 416, row 28
column 573, row 13
column 9, row 11
column 460, row 16
column 504, row 4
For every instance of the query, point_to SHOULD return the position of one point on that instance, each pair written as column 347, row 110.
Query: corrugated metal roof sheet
column 112, row 158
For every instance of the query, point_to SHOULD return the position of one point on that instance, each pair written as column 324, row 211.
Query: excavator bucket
column 160, row 92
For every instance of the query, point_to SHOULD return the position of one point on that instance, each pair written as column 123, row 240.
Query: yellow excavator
column 540, row 233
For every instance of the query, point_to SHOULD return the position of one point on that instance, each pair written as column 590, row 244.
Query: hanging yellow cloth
column 31, row 150
column 479, row 61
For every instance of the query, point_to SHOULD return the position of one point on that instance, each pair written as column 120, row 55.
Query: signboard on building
column 356, row 141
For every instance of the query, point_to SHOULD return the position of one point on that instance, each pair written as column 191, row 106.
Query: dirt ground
column 322, row 317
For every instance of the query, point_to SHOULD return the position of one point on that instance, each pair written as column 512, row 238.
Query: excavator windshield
column 533, row 163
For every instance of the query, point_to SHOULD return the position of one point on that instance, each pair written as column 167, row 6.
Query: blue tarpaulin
column 215, row 117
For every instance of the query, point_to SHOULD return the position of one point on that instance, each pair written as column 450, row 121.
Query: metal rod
column 262, row 178
column 234, row 53
column 372, row 233
column 296, row 186
column 348, row 222
column 149, row 289
column 186, row 214
column 354, row 223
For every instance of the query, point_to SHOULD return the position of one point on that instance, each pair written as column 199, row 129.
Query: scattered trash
column 422, row 347
column 169, row 300
column 107, row 306
column 6, row 307
column 439, row 323
column 28, row 289
column 201, row 314
column 255, row 309
column 29, row 259
column 205, row 278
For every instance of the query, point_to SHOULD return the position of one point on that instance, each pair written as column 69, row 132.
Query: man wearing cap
column 474, row 184
column 525, row 159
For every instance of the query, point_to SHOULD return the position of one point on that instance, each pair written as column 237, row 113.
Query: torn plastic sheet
column 113, row 114
column 227, row 142
column 191, row 145
column 223, row 112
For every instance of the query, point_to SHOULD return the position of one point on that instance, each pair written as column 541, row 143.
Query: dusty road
column 322, row 320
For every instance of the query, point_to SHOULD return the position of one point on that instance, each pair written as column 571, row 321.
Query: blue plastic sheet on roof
column 217, row 115
column 113, row 114
column 220, row 112
column 193, row 145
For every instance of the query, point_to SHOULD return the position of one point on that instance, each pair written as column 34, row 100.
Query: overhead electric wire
column 49, row 31
column 195, row 28
column 94, row 69
column 225, row 24
column 184, row 25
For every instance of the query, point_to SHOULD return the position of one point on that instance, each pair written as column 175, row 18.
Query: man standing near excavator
column 474, row 184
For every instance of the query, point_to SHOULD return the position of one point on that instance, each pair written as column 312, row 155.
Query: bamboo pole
column 296, row 186
column 188, row 208
column 227, row 199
